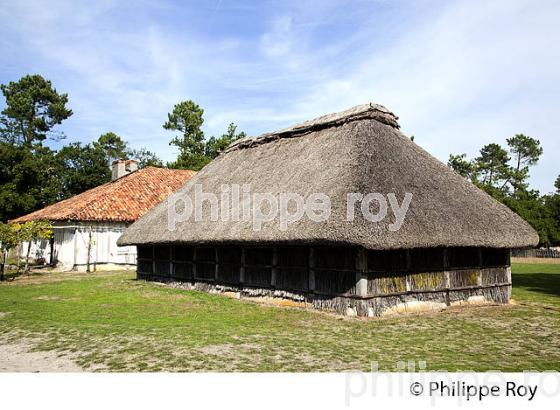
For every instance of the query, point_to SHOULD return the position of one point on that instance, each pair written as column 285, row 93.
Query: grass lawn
column 110, row 321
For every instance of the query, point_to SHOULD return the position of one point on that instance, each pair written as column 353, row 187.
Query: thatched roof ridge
column 360, row 112
column 358, row 151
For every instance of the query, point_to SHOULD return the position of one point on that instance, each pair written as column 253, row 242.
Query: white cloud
column 459, row 76
column 463, row 79
column 278, row 41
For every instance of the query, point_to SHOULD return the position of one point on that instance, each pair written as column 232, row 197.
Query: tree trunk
column 2, row 266
column 27, row 257
column 18, row 255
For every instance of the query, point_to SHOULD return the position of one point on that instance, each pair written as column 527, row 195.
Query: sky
column 458, row 74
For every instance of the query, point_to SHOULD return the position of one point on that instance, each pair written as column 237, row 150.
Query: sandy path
column 17, row 358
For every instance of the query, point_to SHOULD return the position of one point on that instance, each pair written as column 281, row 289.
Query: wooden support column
column 311, row 270
column 242, row 268
column 446, row 276
column 216, row 264
column 171, row 273
column 194, row 263
column 480, row 266
column 407, row 277
column 274, row 269
column 361, row 269
column 153, row 260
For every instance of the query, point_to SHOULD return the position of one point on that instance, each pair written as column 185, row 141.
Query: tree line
column 504, row 173
column 33, row 175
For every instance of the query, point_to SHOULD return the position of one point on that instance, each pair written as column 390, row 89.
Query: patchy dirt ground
column 17, row 357
column 111, row 322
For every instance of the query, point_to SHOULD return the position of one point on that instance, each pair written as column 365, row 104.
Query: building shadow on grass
column 548, row 283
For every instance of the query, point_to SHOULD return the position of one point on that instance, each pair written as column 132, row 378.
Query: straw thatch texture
column 360, row 150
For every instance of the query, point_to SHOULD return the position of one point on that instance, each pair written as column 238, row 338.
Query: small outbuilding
column 451, row 247
column 86, row 226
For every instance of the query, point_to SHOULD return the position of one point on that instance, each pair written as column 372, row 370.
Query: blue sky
column 459, row 74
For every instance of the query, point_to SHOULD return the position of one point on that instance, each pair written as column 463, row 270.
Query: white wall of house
column 75, row 245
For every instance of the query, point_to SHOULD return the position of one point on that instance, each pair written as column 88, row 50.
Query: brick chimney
column 122, row 167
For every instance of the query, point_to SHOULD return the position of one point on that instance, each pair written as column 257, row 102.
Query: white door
column 64, row 247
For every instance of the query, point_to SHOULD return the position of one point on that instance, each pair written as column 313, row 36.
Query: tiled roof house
column 87, row 225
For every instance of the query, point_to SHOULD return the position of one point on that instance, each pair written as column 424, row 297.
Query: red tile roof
column 123, row 200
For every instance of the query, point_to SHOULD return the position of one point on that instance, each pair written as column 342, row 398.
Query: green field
column 110, row 321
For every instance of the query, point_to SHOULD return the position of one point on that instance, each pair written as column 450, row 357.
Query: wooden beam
column 274, row 269
column 216, row 265
column 408, row 275
column 361, row 269
column 311, row 269
column 171, row 273
column 408, row 260
column 242, row 267
column 153, row 260
column 194, row 262
column 480, row 267
column 446, row 276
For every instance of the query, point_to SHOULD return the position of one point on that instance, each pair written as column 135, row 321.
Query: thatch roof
column 359, row 150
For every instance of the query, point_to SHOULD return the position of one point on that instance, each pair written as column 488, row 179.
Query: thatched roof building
column 360, row 150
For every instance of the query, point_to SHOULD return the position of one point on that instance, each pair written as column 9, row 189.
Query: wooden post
column 194, row 262
column 153, row 260
column 408, row 260
column 75, row 249
column 242, row 268
column 88, row 260
column 51, row 243
column 446, row 276
column 4, row 252
column 171, row 273
column 216, row 265
column 407, row 277
column 361, row 268
column 311, row 269
column 408, row 282
column 480, row 267
column 274, row 269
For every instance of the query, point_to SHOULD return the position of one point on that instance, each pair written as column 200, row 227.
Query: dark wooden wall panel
column 258, row 276
column 335, row 282
column 292, row 278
